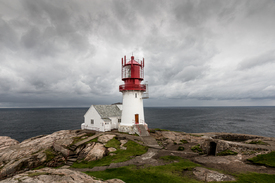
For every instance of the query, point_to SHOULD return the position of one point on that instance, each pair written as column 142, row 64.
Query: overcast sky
column 67, row 53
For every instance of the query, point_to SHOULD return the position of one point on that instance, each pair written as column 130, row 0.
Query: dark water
column 21, row 124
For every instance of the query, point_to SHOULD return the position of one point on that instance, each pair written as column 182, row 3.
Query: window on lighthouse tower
column 135, row 95
column 128, row 71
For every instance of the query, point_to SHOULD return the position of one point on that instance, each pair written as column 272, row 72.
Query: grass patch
column 161, row 174
column 170, row 158
column 254, row 177
column 113, row 143
column 133, row 149
column 93, row 140
column 226, row 152
column 184, row 141
column 158, row 129
column 264, row 159
column 259, row 142
column 195, row 135
column 197, row 149
column 50, row 154
column 180, row 148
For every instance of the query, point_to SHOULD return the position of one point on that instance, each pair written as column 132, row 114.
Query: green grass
column 180, row 148
column 258, row 142
column 170, row 158
column 162, row 174
column 50, row 154
column 133, row 149
column 184, row 141
column 264, row 159
column 113, row 143
column 254, row 178
column 197, row 149
column 93, row 140
column 195, row 135
column 226, row 152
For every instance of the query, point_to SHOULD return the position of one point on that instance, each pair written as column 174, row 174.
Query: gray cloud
column 67, row 53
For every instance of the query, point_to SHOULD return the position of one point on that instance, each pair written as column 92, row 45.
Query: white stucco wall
column 132, row 105
column 98, row 122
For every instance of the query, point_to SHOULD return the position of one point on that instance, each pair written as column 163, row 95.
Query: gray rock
column 7, row 142
column 111, row 149
column 30, row 152
column 105, row 138
column 210, row 175
column 97, row 152
column 55, row 175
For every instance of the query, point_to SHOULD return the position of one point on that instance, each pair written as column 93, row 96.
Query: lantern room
column 132, row 73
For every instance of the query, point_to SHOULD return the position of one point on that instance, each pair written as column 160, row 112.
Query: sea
column 24, row 123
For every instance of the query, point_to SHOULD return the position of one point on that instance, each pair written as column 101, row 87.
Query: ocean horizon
column 24, row 123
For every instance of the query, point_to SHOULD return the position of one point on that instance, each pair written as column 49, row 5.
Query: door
column 136, row 119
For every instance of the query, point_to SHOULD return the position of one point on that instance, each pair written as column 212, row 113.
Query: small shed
column 102, row 117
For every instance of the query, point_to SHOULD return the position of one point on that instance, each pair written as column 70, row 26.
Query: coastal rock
column 105, row 138
column 55, row 175
column 7, row 142
column 210, row 175
column 96, row 153
column 30, row 152
column 60, row 148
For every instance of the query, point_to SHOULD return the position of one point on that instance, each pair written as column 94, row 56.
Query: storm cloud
column 197, row 53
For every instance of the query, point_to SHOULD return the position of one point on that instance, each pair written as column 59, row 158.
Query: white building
column 102, row 117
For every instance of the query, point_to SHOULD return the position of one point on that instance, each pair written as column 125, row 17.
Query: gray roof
column 106, row 111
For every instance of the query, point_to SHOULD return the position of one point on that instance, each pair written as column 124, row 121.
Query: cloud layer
column 67, row 53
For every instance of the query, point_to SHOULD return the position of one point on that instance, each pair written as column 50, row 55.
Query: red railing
column 139, row 87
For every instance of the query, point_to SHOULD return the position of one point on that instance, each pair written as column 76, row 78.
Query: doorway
column 213, row 146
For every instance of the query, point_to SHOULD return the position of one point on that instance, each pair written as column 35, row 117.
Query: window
column 92, row 121
column 119, row 120
column 136, row 95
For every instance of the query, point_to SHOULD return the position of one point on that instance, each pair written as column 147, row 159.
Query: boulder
column 210, row 175
column 7, row 142
column 105, row 138
column 55, row 175
column 60, row 148
column 96, row 153
column 111, row 149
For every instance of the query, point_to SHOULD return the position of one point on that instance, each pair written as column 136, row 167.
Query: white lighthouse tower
column 132, row 119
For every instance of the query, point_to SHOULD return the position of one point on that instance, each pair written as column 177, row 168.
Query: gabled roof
column 106, row 111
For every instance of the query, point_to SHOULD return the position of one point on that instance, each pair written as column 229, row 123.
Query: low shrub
column 184, row 141
column 180, row 148
column 226, row 152
column 197, row 149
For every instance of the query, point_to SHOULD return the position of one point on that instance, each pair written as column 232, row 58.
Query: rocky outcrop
column 105, row 138
column 55, row 175
column 31, row 152
column 7, row 142
column 210, row 175
column 97, row 152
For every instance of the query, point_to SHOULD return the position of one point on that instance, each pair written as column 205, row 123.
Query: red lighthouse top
column 132, row 74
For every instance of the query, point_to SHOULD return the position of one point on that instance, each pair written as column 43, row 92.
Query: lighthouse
column 133, row 92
